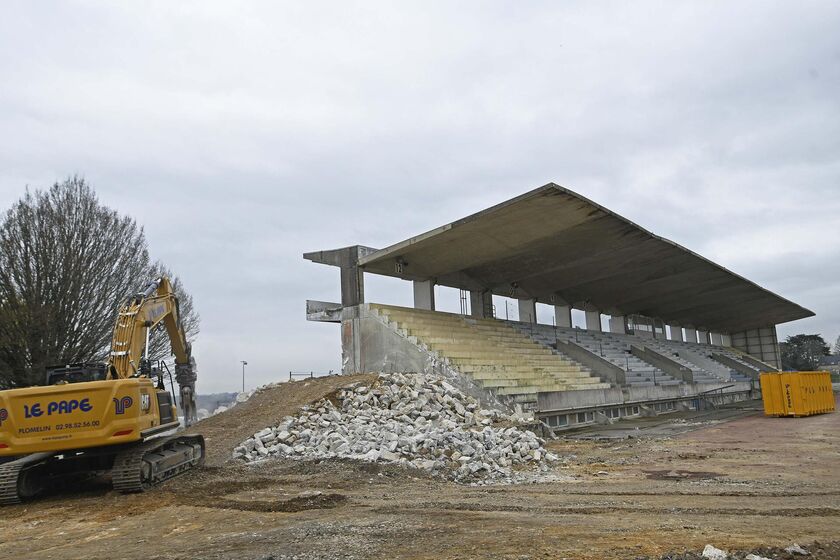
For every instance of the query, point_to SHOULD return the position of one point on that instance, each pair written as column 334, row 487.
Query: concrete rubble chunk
column 412, row 419
column 755, row 557
column 713, row 553
column 796, row 549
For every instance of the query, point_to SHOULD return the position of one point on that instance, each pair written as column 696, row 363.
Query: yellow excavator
column 117, row 417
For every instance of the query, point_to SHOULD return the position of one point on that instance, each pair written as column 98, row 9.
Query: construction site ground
column 645, row 488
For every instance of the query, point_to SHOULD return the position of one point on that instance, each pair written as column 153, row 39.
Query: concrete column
column 481, row 304
column 715, row 338
column 528, row 310
column 563, row 315
column 424, row 294
column 352, row 277
column 659, row 324
column 690, row 335
column 617, row 324
column 593, row 320
column 703, row 337
column 676, row 333
column 352, row 286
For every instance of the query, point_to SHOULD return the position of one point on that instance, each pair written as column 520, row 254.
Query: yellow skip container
column 797, row 393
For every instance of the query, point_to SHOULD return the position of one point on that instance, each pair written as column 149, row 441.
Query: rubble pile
column 416, row 420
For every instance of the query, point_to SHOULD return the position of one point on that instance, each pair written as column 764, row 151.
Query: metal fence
column 310, row 374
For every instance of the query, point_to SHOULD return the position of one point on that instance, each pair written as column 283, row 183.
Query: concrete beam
column 528, row 310
column 352, row 277
column 563, row 316
column 323, row 311
column 424, row 294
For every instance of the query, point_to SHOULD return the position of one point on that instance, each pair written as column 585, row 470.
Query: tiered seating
column 615, row 350
column 494, row 354
column 701, row 354
column 705, row 371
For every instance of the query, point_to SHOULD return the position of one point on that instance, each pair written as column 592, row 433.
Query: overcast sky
column 244, row 134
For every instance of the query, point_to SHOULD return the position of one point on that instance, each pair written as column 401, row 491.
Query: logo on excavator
column 57, row 407
column 4, row 415
column 122, row 403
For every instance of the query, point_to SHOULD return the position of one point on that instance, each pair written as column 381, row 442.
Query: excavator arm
column 130, row 346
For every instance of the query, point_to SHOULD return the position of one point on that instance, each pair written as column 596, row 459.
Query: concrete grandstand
column 683, row 331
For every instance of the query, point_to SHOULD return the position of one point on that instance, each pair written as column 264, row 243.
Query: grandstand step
column 493, row 353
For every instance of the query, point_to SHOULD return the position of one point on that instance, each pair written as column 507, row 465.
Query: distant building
column 831, row 363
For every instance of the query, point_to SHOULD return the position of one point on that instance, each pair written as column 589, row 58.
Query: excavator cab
column 76, row 373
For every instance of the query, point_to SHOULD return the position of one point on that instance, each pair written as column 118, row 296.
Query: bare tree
column 66, row 263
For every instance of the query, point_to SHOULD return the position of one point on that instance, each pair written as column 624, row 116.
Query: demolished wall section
column 369, row 344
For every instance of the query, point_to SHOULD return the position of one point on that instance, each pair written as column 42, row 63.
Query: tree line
column 803, row 352
column 67, row 262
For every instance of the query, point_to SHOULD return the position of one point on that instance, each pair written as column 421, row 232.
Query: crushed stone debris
column 713, row 553
column 796, row 549
column 411, row 419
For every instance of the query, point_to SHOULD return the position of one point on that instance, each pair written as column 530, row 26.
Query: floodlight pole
column 244, row 363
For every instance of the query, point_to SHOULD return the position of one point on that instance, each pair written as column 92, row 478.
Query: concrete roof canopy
column 558, row 247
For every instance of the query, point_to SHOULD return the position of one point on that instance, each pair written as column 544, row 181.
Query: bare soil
column 731, row 478
column 266, row 407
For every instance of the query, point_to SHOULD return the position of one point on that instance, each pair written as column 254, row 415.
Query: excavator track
column 12, row 473
column 135, row 468
column 148, row 464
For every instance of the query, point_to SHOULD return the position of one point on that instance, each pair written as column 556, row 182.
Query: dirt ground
column 731, row 478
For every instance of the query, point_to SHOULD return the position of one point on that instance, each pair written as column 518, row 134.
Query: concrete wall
column 677, row 333
column 555, row 401
column 593, row 320
column 481, row 304
column 618, row 324
column 528, row 310
column 690, row 334
column 762, row 344
column 563, row 316
column 369, row 345
column 366, row 346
